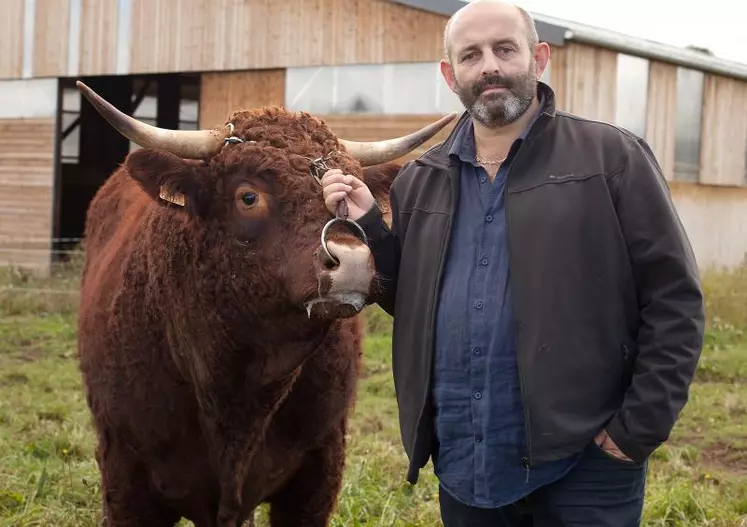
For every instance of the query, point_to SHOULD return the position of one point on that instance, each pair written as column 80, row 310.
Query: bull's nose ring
column 357, row 230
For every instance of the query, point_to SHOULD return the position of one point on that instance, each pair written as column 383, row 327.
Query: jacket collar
column 438, row 156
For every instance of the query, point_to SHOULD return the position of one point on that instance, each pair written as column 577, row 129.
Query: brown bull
column 217, row 338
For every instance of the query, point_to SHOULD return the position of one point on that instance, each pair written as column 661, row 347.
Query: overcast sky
column 719, row 28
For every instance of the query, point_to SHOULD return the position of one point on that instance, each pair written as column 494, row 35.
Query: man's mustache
column 491, row 80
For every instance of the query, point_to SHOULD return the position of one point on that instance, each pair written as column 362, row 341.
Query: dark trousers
column 599, row 491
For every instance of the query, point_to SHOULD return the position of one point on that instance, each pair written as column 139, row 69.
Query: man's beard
column 500, row 108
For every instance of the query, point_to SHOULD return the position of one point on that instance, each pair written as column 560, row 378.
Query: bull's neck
column 264, row 350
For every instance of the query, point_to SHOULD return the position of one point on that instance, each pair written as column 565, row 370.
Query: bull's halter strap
column 232, row 139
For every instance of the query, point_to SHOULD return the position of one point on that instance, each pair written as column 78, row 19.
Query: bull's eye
column 249, row 199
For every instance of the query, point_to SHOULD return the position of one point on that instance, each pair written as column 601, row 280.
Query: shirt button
column 488, row 218
column 483, row 179
column 484, row 261
column 476, row 351
column 478, row 395
column 478, row 304
column 478, row 439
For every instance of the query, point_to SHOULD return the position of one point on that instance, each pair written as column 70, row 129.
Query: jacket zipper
column 526, row 462
column 434, row 302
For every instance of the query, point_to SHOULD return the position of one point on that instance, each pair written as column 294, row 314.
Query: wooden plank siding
column 26, row 191
column 715, row 218
column 585, row 80
column 223, row 93
column 98, row 37
column 724, row 131
column 205, row 35
column 51, row 36
column 661, row 114
column 11, row 39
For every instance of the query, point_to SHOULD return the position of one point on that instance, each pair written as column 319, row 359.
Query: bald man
column 548, row 310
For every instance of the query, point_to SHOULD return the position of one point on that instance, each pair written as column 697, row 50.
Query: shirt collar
column 464, row 142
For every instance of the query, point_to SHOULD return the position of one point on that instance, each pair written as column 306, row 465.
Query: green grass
column 48, row 473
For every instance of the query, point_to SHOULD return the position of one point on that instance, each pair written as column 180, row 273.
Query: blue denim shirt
column 479, row 416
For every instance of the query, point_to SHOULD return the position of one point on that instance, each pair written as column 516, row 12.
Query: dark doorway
column 90, row 149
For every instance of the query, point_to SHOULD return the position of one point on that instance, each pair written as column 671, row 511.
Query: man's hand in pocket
column 606, row 443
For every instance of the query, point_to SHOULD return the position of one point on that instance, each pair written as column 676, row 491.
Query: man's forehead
column 488, row 21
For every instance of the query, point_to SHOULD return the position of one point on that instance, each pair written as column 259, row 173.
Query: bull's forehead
column 280, row 128
column 304, row 139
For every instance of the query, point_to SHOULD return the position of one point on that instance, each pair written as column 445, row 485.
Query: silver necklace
column 488, row 162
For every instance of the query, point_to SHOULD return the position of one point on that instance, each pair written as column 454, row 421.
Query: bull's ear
column 168, row 179
column 379, row 179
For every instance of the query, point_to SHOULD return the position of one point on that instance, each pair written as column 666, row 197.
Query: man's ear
column 447, row 72
column 541, row 58
column 168, row 179
column 379, row 179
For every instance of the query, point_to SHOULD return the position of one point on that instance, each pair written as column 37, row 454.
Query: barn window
column 360, row 89
column 688, row 123
column 376, row 89
column 310, row 89
column 71, row 100
column 412, row 88
column 632, row 93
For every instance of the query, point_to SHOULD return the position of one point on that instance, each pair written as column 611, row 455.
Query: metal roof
column 557, row 32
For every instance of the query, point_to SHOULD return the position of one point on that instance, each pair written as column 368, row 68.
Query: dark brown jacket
column 608, row 303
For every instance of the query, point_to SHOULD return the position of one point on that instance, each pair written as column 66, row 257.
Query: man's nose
column 490, row 64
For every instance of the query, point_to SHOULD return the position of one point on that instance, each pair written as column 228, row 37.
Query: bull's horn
column 189, row 144
column 375, row 152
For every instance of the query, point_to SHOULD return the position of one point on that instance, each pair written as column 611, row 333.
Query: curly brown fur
column 210, row 387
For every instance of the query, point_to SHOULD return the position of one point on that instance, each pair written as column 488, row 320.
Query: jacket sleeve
column 670, row 301
column 385, row 246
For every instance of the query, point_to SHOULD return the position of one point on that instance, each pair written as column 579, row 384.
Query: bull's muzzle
column 351, row 224
column 345, row 272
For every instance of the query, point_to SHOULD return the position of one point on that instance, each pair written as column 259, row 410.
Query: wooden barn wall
column 51, row 35
column 661, row 110
column 97, row 39
column 724, row 131
column 27, row 159
column 715, row 219
column 585, row 80
column 225, row 92
column 103, row 37
column 11, row 39
column 26, row 183
column 209, row 35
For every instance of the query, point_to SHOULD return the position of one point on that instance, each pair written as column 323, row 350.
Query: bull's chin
column 335, row 305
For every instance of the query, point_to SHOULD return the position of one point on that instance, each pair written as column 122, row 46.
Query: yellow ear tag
column 176, row 199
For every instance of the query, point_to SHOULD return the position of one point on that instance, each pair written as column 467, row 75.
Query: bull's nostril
column 330, row 264
column 328, row 260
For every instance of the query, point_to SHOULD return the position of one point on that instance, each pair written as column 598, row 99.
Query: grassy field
column 48, row 474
